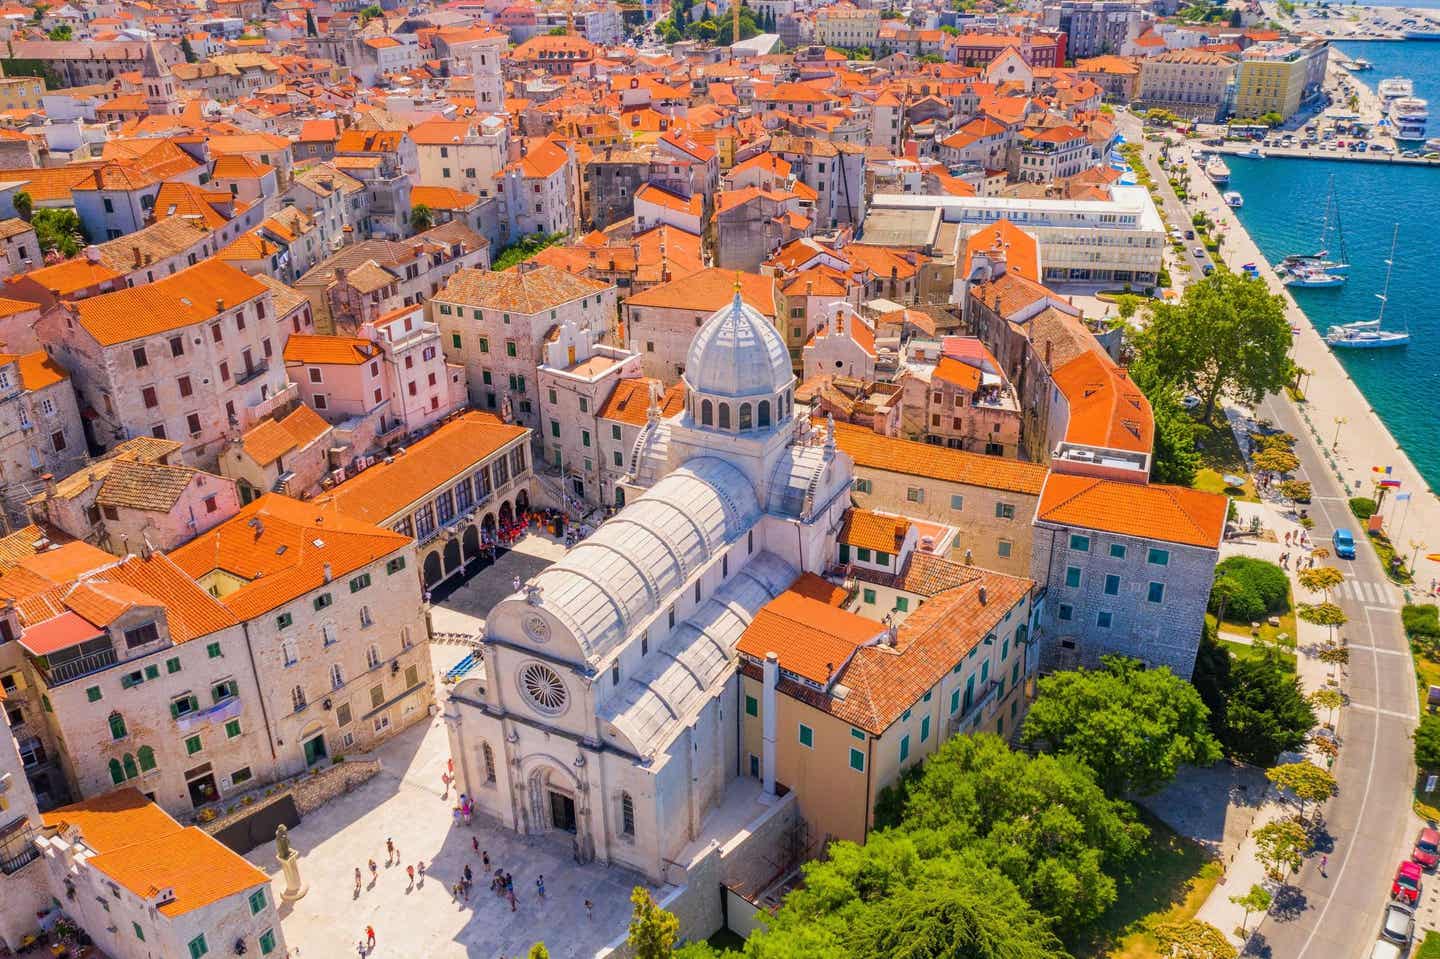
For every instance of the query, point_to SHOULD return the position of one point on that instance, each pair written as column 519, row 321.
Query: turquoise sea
column 1283, row 211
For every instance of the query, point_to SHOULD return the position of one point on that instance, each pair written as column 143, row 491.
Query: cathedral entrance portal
column 562, row 811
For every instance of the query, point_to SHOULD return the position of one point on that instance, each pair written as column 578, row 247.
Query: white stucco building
column 604, row 709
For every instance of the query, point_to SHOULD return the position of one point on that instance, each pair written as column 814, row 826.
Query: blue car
column 1344, row 544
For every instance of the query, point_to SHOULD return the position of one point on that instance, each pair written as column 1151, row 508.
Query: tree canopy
column 1133, row 726
column 1258, row 709
column 653, row 931
column 1307, row 782
column 1281, row 844
column 1042, row 821
column 58, row 229
column 1427, row 742
column 1228, row 336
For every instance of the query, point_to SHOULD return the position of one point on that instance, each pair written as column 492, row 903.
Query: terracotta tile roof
column 709, row 290
column 113, row 820
column 1172, row 514
column 156, row 580
column 383, row 490
column 153, row 487
column 37, row 370
column 873, row 451
column 1107, row 409
column 286, row 554
column 322, row 350
column 963, row 375
column 63, row 279
column 929, row 574
column 819, row 589
column 194, row 295
column 868, row 529
column 165, row 237
column 441, row 198
column 631, row 398
column 270, row 439
column 517, row 291
column 813, row 639
column 59, row 632
column 653, row 194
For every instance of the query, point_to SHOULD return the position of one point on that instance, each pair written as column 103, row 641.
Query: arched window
column 297, row 698
column 764, row 414
column 130, row 771
column 489, row 762
column 117, row 775
column 288, row 653
column 146, row 756
column 117, row 726
column 724, row 416
column 707, row 413
column 619, row 496
column 372, row 656
column 337, row 676
column 627, row 814
column 745, row 422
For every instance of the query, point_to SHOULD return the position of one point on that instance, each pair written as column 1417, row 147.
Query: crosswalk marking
column 1365, row 591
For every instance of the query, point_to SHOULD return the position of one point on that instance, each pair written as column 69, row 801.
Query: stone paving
column 404, row 802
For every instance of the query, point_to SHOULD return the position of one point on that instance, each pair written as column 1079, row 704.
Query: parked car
column 1407, row 883
column 1199, row 251
column 1189, row 234
column 1399, row 925
column 1427, row 848
column 1207, row 269
column 1385, row 950
column 1344, row 543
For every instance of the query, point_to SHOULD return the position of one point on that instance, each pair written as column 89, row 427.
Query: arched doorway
column 507, row 515
column 433, row 570
column 619, row 497
column 452, row 556
column 522, row 502
column 470, row 542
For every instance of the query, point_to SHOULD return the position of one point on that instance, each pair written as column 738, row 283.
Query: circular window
column 536, row 628
column 543, row 687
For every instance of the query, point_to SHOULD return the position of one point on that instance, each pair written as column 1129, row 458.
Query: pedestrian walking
column 468, row 874
column 475, row 843
column 513, row 900
column 421, row 866
column 485, row 860
column 540, row 887
column 360, row 948
column 1324, row 861
column 410, row 871
column 589, row 910
column 509, row 883
column 374, row 871
column 357, row 880
column 389, row 851
column 370, row 935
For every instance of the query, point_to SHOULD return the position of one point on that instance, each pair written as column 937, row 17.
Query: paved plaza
column 457, row 606
column 404, row 802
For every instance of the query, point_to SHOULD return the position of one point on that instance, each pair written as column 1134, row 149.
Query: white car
column 1385, row 950
column 1399, row 926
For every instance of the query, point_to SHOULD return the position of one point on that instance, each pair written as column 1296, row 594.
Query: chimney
column 330, row 575
column 139, row 260
column 984, row 596
column 767, row 722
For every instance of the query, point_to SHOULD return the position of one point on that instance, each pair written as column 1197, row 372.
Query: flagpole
column 1405, row 516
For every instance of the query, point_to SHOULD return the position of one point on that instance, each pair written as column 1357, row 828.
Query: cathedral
column 606, row 712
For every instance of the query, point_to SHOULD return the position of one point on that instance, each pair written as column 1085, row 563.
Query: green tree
column 311, row 30
column 1042, row 821
column 23, row 205
column 370, row 13
column 559, row 31
column 1228, row 336
column 653, row 931
column 1307, row 782
column 1274, row 460
column 1258, row 709
column 1324, row 614
column 58, row 230
column 1193, row 939
column 1332, row 655
column 1271, row 119
column 538, row 951
column 1175, row 458
column 1281, row 844
column 1427, row 742
column 421, row 218
column 62, row 32
column 1133, row 726
column 1329, row 699
column 188, row 51
column 1258, row 899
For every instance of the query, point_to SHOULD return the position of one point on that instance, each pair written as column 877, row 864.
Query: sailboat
column 1370, row 334
column 1318, row 268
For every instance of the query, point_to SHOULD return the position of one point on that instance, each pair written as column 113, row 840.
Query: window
column 915, row 494
column 184, row 706
column 117, row 726
column 359, row 582
column 267, row 942
column 489, row 755
column 57, row 441
column 213, row 651
column 1003, row 548
column 1155, row 593
column 141, row 360
column 297, row 698
column 902, row 604
column 627, row 814
column 869, row 596
column 752, row 706
column 1072, row 576
column 412, row 676
column 1117, row 551
column 177, row 346
column 192, row 423
column 138, row 934
column 1103, row 619
column 1158, row 557
column 1112, row 585
column 1079, row 543
column 1066, row 612
column 328, row 635
column 863, row 486
column 232, row 729
column 395, row 565
column 904, row 749
column 257, row 902
column 323, row 600
column 284, row 621
column 141, row 635
column 925, row 729
column 614, row 432
column 146, row 756
column 372, row 656
column 807, row 736
column 1004, row 511
column 198, row 947
column 193, row 745
column 857, row 760
column 93, row 694
column 377, row 695
column 957, row 502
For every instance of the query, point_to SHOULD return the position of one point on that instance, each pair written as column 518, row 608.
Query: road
column 1369, row 824
column 1175, row 213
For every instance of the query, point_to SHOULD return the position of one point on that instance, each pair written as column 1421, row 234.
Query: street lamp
column 1339, row 422
column 1415, row 548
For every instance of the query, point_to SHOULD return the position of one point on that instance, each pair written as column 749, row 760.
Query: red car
column 1406, row 886
column 1427, row 849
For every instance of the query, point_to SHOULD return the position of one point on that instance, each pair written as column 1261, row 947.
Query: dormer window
column 141, row 635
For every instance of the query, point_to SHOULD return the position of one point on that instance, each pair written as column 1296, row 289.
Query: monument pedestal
column 294, row 888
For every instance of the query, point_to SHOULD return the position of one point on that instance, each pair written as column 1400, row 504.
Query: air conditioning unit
column 337, row 476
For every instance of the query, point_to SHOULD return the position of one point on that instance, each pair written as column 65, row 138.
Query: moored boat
column 1371, row 334
column 1217, row 170
column 1234, row 199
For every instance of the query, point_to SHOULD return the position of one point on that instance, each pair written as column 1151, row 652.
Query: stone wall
column 311, row 791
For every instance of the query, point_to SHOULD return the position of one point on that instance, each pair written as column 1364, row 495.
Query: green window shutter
column 359, row 582
column 954, row 702
column 175, row 710
column 267, row 942
column 232, row 728
column 882, row 558
column 198, row 947
column 117, row 726
column 862, row 554
column 752, row 706
column 257, row 901
column 904, row 750
column 93, row 694
column 807, row 736
column 902, row 603
column 869, row 596
column 147, row 758
column 925, row 729
column 857, row 760
column 193, row 745
column 172, row 665
column 284, row 620
column 117, row 774
column 152, row 671
column 844, row 552
column 45, row 702
column 138, row 933
column 213, row 651
column 455, row 340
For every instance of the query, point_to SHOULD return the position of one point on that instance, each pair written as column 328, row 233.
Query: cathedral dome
column 738, row 352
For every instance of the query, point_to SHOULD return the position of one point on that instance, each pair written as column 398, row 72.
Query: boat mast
column 1389, row 268
column 1333, row 216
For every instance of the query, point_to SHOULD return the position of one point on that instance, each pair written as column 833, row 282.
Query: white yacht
column 1392, row 89
column 1409, row 115
column 1357, row 64
column 1217, row 170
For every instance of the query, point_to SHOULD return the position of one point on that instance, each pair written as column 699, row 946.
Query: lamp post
column 1339, row 422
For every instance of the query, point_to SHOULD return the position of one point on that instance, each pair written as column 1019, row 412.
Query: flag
column 1402, row 497
column 1379, row 469
column 1390, row 484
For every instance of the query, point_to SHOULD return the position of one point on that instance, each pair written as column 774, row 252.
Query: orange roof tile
column 194, row 295
column 630, row 400
column 709, row 290
column 868, row 529
column 198, row 869
column 1107, row 409
column 322, row 349
column 873, row 451
column 1171, row 514
column 812, row 638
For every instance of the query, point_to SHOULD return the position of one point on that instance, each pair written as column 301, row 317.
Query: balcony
column 988, row 695
column 252, row 373
column 223, row 711
column 71, row 669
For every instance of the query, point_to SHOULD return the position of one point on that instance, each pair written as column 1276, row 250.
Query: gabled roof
column 525, row 291
column 320, row 349
column 1172, row 514
column 194, row 295
column 870, row 450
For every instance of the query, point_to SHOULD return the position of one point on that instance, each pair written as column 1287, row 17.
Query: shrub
column 1363, row 507
column 1427, row 742
column 1264, row 588
column 1421, row 619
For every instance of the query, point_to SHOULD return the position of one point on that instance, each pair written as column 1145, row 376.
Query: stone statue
column 289, row 861
column 282, row 842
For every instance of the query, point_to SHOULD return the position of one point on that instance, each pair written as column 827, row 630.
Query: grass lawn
column 1170, row 880
column 1430, row 948
column 1242, row 651
column 1268, row 633
column 1427, row 805
column 1220, row 455
column 1427, row 674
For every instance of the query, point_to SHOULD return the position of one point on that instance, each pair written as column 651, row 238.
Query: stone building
column 660, row 323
